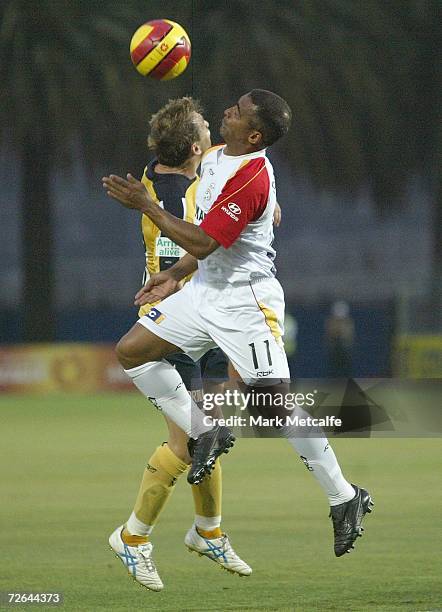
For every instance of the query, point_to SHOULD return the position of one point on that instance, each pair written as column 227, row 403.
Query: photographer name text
column 278, row 421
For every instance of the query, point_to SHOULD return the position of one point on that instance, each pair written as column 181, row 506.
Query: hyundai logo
column 234, row 208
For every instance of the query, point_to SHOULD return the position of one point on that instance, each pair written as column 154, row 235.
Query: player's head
column 258, row 119
column 178, row 132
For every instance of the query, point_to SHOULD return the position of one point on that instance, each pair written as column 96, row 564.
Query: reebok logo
column 232, row 210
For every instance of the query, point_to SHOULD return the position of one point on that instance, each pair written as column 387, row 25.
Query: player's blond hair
column 173, row 131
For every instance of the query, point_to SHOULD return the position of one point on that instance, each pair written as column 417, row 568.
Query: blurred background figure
column 339, row 336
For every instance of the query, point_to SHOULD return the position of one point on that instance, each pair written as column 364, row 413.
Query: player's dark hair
column 272, row 116
column 173, row 131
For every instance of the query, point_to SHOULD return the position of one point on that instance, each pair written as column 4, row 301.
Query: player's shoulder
column 166, row 185
column 253, row 164
column 212, row 151
column 252, row 169
column 149, row 173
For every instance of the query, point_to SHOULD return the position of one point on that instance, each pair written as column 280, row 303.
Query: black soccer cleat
column 347, row 519
column 206, row 450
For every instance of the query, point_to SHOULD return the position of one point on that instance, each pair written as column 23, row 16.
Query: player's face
column 204, row 141
column 235, row 126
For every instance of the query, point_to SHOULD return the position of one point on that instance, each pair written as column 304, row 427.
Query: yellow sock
column 213, row 533
column 207, row 498
column 159, row 477
column 133, row 540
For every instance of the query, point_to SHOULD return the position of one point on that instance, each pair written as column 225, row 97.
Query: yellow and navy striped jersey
column 176, row 194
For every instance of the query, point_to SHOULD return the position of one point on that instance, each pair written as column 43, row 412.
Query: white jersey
column 235, row 202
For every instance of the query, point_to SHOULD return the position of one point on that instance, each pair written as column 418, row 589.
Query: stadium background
column 359, row 181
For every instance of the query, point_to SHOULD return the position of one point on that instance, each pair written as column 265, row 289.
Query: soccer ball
column 160, row 49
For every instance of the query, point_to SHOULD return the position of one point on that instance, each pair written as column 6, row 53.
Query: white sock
column 137, row 527
column 207, row 523
column 320, row 459
column 160, row 382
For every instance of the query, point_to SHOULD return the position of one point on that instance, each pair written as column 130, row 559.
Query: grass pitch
column 70, row 472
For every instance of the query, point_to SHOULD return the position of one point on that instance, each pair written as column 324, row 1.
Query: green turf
column 70, row 471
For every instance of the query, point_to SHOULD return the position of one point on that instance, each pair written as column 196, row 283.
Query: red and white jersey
column 235, row 202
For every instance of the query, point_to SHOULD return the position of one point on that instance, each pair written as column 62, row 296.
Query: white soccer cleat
column 217, row 549
column 137, row 560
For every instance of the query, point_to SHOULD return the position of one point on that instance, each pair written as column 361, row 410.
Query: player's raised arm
column 131, row 193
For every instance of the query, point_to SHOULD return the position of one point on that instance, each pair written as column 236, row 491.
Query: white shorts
column 245, row 321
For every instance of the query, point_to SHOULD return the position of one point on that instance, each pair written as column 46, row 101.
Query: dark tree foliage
column 68, row 90
column 363, row 79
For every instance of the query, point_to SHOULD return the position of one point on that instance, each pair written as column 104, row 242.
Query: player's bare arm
column 163, row 284
column 277, row 215
column 131, row 193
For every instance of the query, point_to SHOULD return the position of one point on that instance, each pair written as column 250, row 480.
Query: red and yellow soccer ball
column 160, row 49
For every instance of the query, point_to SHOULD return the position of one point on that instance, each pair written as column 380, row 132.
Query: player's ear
column 255, row 138
column 196, row 149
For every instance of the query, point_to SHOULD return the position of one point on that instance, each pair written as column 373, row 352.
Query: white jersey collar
column 259, row 153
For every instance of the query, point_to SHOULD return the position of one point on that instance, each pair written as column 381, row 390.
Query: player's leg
column 169, row 460
column 206, row 536
column 131, row 542
column 143, row 349
column 207, row 496
column 164, row 467
column 177, row 321
column 167, row 463
column 257, row 353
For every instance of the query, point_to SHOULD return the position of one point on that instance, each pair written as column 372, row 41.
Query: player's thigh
column 249, row 330
column 214, row 367
column 214, row 370
column 177, row 320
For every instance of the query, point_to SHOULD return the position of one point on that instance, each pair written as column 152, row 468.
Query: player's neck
column 238, row 149
column 188, row 170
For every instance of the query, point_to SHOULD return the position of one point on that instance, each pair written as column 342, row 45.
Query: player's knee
column 121, row 351
column 129, row 354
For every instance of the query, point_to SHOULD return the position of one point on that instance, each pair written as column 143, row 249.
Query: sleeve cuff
column 224, row 241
